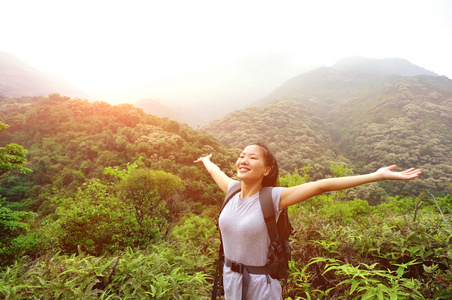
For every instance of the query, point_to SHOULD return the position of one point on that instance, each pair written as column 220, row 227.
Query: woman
column 243, row 230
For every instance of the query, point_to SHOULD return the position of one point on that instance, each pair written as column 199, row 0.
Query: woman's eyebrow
column 252, row 153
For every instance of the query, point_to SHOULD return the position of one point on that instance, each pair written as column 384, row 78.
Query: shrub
column 158, row 272
column 354, row 251
column 15, row 237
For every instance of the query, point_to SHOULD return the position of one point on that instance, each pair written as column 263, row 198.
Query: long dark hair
column 270, row 161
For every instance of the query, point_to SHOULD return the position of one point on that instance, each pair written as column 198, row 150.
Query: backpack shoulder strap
column 235, row 188
column 218, row 281
column 268, row 210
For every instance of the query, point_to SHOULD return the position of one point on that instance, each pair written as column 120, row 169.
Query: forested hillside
column 365, row 118
column 71, row 141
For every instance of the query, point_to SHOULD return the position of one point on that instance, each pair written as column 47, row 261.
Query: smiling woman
column 243, row 230
column 256, row 159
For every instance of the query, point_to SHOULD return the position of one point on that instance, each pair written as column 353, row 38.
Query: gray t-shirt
column 246, row 240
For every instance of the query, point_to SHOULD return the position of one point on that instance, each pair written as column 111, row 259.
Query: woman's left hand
column 387, row 173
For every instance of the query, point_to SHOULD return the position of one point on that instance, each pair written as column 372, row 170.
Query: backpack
column 279, row 250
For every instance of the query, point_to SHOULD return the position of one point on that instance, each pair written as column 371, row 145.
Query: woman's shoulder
column 276, row 191
column 233, row 183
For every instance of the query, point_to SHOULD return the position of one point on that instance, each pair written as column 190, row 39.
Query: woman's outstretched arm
column 296, row 194
column 220, row 178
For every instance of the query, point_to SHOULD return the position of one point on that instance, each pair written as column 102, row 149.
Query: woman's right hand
column 201, row 159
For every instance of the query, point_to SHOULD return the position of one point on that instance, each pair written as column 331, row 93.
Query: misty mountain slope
column 370, row 118
column 156, row 108
column 324, row 88
column 20, row 79
column 389, row 66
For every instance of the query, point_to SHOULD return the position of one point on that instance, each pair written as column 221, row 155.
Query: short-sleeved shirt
column 246, row 240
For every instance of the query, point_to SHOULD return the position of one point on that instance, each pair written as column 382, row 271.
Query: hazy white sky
column 106, row 46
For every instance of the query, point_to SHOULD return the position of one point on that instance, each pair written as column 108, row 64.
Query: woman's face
column 251, row 164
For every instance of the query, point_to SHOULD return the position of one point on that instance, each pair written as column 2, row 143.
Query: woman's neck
column 250, row 189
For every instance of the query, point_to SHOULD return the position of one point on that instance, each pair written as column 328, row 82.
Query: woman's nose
column 244, row 161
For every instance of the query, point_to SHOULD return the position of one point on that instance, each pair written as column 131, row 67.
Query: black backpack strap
column 234, row 189
column 217, row 288
column 268, row 210
column 218, row 280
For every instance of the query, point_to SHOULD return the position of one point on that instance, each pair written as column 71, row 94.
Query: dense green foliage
column 162, row 271
column 12, row 157
column 15, row 236
column 341, row 249
column 71, row 141
column 357, row 250
column 416, row 132
column 106, row 217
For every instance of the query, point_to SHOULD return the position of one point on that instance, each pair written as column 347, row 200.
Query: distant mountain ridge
column 393, row 66
column 18, row 78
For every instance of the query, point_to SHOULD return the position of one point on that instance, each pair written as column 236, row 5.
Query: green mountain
column 358, row 112
column 72, row 141
column 18, row 78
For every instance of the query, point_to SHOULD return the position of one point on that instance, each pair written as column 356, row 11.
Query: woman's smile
column 244, row 169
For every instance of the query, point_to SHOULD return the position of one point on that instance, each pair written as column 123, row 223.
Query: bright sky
column 107, row 46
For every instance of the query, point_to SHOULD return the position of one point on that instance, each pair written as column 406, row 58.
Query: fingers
column 414, row 171
column 408, row 174
column 411, row 170
column 407, row 171
column 202, row 158
column 411, row 173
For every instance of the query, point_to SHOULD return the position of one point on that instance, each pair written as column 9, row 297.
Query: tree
column 12, row 157
column 133, row 209
column 15, row 239
column 94, row 220
column 150, row 194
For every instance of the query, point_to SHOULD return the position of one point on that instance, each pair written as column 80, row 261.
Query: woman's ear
column 267, row 171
